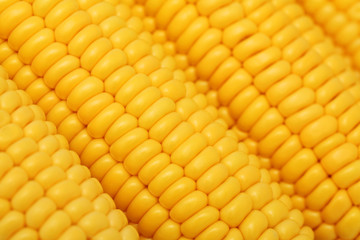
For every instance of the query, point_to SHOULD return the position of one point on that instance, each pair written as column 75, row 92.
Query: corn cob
column 282, row 112
column 160, row 39
column 144, row 168
column 163, row 47
column 339, row 19
column 164, row 50
column 44, row 192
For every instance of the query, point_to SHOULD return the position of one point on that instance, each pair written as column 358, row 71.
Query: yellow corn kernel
column 293, row 144
column 47, row 189
column 278, row 46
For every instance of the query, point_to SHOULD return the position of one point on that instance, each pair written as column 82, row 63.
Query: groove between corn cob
column 152, row 213
column 320, row 97
column 44, row 192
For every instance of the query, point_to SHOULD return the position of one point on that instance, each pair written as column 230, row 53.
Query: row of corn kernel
column 267, row 24
column 320, row 49
column 100, row 6
column 27, row 80
column 181, row 60
column 327, row 145
column 49, row 145
column 326, row 231
column 324, row 90
column 323, row 228
column 265, row 74
column 45, row 193
column 203, row 85
column 340, row 20
column 185, row 15
column 55, row 115
column 159, row 36
column 264, row 7
column 169, row 52
column 152, row 212
column 172, row 88
column 292, row 190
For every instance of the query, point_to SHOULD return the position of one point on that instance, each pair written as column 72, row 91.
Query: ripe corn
column 313, row 219
column 339, row 19
column 160, row 39
column 176, row 173
column 295, row 94
column 44, row 192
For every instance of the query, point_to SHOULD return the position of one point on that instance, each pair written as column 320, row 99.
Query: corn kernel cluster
column 44, row 192
column 282, row 111
column 199, row 119
column 340, row 20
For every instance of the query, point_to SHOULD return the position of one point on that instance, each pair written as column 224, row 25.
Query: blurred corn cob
column 341, row 20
